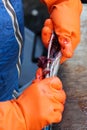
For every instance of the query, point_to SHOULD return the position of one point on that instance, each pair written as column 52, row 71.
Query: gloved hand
column 65, row 22
column 42, row 103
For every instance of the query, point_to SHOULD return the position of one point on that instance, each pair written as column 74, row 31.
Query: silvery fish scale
column 54, row 54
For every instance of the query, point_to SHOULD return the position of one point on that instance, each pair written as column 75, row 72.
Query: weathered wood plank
column 73, row 74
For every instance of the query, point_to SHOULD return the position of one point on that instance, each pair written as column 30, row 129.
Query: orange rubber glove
column 65, row 22
column 40, row 104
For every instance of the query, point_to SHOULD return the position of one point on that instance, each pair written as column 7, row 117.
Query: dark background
column 34, row 22
column 84, row 1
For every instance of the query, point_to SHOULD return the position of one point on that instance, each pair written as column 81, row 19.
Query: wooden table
column 73, row 74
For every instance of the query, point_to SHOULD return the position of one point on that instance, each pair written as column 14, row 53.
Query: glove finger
column 58, row 107
column 52, row 82
column 48, row 23
column 38, row 76
column 47, row 32
column 58, row 96
column 56, row 83
column 54, row 117
column 57, row 117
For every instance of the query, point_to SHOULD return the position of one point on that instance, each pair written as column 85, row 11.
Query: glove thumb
column 38, row 76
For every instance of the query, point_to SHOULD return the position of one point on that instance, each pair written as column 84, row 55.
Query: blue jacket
column 11, row 43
